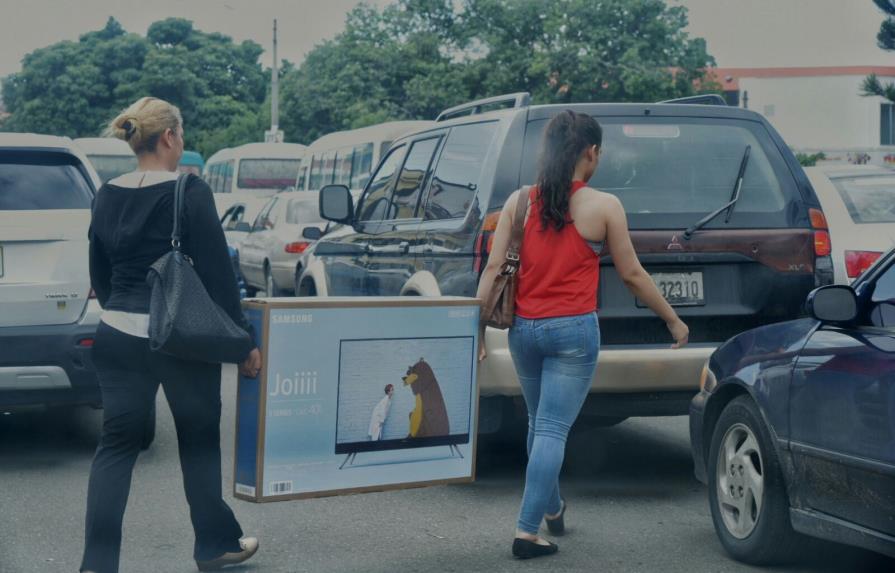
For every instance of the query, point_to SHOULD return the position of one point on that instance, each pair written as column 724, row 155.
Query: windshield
column 669, row 172
column 36, row 182
column 111, row 166
column 868, row 199
column 267, row 173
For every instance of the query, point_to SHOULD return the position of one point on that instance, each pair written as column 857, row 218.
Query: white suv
column 47, row 314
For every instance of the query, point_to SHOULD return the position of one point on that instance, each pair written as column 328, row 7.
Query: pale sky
column 740, row 33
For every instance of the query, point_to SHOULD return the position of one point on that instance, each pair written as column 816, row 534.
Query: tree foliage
column 885, row 39
column 417, row 57
column 76, row 88
column 408, row 60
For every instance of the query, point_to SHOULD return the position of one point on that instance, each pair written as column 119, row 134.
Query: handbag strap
column 518, row 229
column 179, row 194
column 511, row 262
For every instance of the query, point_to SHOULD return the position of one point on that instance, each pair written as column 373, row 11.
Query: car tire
column 148, row 430
column 752, row 517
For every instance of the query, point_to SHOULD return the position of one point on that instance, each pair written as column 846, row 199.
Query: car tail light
column 85, row 342
column 822, row 245
column 297, row 248
column 856, row 262
column 818, row 219
column 485, row 241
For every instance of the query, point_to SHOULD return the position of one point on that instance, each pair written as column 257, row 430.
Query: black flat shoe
column 525, row 549
column 557, row 525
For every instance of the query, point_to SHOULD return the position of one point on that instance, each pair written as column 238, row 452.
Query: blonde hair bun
column 141, row 124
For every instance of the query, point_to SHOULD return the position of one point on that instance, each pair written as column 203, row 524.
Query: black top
column 131, row 228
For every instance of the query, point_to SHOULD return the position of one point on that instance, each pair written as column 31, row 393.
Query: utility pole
column 274, row 135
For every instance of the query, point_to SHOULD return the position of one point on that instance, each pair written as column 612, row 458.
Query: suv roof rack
column 519, row 99
column 703, row 99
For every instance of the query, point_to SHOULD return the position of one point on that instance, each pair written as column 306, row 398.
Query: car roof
column 302, row 195
column 260, row 151
column 387, row 131
column 104, row 146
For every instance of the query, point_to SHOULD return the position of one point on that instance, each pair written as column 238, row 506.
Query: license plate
column 679, row 289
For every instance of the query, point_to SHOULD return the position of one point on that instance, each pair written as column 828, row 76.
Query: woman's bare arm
column 632, row 273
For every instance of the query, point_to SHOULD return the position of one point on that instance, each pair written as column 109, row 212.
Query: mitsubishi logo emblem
column 674, row 245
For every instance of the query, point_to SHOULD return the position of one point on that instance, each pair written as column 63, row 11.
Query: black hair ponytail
column 565, row 139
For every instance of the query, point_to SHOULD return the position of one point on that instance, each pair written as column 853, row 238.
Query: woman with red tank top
column 555, row 337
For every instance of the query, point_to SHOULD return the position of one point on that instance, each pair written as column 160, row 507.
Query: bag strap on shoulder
column 179, row 195
column 518, row 229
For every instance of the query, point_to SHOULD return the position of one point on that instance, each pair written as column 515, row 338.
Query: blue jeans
column 555, row 360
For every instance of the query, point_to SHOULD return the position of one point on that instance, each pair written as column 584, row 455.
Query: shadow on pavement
column 47, row 437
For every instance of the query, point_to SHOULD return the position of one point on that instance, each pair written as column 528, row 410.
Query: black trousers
column 129, row 375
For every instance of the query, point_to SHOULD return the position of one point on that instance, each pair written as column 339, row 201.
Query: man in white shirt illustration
column 380, row 414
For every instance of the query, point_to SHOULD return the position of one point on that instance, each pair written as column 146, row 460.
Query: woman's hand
column 251, row 366
column 680, row 332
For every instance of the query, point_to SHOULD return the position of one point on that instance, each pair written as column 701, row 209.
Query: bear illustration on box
column 429, row 418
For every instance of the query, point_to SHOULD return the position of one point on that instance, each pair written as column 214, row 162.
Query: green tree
column 75, row 88
column 885, row 39
column 417, row 57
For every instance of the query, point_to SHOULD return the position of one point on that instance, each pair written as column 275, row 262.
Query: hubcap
column 740, row 481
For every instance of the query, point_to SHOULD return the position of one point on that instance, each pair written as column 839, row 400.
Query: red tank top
column 559, row 270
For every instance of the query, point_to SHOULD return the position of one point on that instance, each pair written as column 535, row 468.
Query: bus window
column 343, row 167
column 362, row 165
column 302, row 178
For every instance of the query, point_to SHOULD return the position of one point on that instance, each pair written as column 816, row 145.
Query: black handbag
column 183, row 319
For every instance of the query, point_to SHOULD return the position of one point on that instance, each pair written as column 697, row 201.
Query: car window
column 362, row 165
column 302, row 178
column 409, row 186
column 315, row 179
column 111, row 166
column 32, row 181
column 883, row 313
column 302, row 211
column 868, row 199
column 459, row 171
column 262, row 221
column 374, row 202
column 668, row 172
column 236, row 216
column 267, row 173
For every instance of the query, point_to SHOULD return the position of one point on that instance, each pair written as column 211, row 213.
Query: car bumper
column 620, row 370
column 48, row 365
column 697, row 439
column 284, row 273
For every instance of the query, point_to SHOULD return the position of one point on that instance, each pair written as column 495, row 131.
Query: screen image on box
column 403, row 393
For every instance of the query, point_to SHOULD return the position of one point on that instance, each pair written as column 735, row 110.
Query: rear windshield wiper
column 734, row 197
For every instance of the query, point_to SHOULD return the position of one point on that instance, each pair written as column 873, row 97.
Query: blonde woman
column 131, row 228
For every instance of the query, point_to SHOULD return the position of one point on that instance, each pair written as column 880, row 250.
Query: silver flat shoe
column 249, row 547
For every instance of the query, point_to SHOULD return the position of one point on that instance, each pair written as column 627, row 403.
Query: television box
column 356, row 395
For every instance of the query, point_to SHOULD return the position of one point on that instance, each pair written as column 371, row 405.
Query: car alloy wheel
column 740, row 481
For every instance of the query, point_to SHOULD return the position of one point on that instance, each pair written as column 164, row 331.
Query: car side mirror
column 312, row 233
column 833, row 303
column 336, row 204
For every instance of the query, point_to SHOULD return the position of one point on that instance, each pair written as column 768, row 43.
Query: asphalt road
column 633, row 506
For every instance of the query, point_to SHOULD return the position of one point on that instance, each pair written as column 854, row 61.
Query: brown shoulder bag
column 499, row 307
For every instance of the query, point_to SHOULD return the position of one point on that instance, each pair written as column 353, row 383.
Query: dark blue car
column 794, row 427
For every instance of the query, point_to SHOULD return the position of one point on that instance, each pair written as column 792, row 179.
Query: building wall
column 825, row 112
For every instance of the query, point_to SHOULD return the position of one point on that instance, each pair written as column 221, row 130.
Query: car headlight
column 707, row 380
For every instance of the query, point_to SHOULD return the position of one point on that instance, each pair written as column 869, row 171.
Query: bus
column 110, row 157
column 348, row 157
column 191, row 162
column 261, row 169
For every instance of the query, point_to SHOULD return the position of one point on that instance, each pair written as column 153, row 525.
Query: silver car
column 269, row 254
